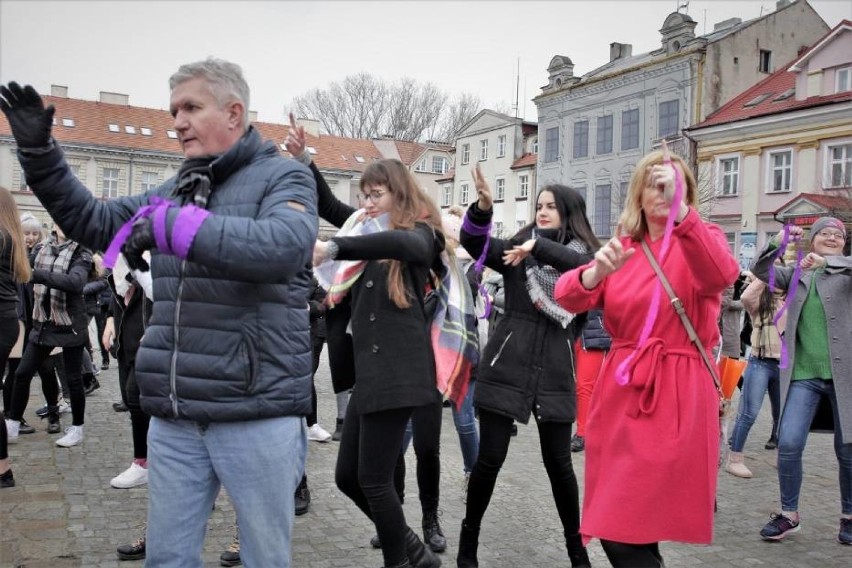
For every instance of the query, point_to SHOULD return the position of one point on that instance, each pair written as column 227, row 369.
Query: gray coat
column 834, row 287
column 228, row 339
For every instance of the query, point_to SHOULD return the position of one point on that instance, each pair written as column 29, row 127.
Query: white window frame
column 845, row 72
column 483, row 150
column 830, row 161
column 523, row 186
column 771, row 169
column 442, row 165
column 463, row 194
column 421, row 167
column 446, row 195
column 108, row 190
column 500, row 189
column 465, row 154
column 501, row 146
column 534, row 146
column 145, row 183
column 721, row 175
column 497, row 231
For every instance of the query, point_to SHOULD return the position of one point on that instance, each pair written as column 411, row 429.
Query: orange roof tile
column 451, row 175
column 528, row 160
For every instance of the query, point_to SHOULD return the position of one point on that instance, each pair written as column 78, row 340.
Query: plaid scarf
column 455, row 339
column 541, row 281
column 338, row 276
column 53, row 257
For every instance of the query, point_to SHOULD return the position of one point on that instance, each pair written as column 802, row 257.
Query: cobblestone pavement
column 63, row 513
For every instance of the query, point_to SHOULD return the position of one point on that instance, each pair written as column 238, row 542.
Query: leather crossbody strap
column 677, row 304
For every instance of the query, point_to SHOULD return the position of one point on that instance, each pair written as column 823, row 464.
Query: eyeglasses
column 836, row 234
column 374, row 196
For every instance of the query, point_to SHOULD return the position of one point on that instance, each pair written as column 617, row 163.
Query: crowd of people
column 215, row 298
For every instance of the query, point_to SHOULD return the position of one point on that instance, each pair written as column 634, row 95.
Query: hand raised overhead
column 30, row 121
column 296, row 141
column 482, row 189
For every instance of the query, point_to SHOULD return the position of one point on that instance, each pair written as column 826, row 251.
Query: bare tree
column 459, row 112
column 363, row 106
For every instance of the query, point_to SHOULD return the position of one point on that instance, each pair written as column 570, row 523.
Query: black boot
column 468, row 543
column 302, row 498
column 419, row 555
column 338, row 431
column 404, row 564
column 52, row 416
column 7, row 479
column 90, row 383
column 433, row 536
column 577, row 552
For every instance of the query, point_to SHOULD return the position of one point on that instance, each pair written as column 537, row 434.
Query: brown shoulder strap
column 677, row 304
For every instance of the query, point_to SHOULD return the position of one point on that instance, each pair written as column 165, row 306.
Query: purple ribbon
column 471, row 228
column 114, row 249
column 187, row 225
column 158, row 222
column 791, row 290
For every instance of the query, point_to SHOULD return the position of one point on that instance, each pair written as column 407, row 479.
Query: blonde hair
column 632, row 219
column 10, row 224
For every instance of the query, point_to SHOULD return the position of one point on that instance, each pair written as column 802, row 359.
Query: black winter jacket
column 72, row 282
column 228, row 339
column 528, row 363
column 8, row 287
column 392, row 354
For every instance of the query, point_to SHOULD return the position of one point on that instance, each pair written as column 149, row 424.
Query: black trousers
column 8, row 338
column 139, row 421
column 622, row 555
column 34, row 356
column 495, row 433
column 316, row 349
column 369, row 449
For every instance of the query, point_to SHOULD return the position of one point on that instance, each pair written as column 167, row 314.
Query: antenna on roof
column 517, row 87
column 683, row 4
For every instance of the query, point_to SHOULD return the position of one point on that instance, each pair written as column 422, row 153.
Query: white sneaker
column 133, row 476
column 12, row 429
column 64, row 407
column 318, row 434
column 73, row 436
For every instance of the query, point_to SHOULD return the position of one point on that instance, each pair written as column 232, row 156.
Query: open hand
column 295, row 142
column 482, row 189
column 30, row 121
column 612, row 255
column 518, row 253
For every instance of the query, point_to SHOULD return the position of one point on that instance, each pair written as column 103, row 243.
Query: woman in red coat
column 652, row 444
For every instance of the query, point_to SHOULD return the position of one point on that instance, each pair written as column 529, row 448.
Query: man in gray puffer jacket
column 224, row 367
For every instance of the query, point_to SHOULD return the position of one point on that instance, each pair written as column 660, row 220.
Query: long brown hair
column 10, row 224
column 633, row 220
column 409, row 205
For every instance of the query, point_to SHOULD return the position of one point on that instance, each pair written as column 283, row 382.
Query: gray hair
column 29, row 221
column 225, row 79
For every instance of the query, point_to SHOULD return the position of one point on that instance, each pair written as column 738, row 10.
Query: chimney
column 312, row 126
column 782, row 4
column 115, row 98
column 619, row 50
column 252, row 116
column 59, row 91
column 730, row 22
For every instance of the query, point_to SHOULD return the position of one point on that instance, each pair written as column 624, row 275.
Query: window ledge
column 731, row 196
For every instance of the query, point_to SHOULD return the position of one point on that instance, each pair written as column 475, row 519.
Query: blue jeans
column 259, row 462
column 465, row 421
column 802, row 402
column 761, row 375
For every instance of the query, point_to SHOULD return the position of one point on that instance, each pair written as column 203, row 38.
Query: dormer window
column 312, row 150
column 843, row 80
column 130, row 129
column 145, row 131
column 113, row 128
column 171, row 134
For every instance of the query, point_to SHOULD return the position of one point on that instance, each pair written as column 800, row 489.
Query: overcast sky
column 288, row 48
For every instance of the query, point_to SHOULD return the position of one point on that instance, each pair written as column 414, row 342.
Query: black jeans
column 426, row 429
column 316, row 349
column 8, row 338
column 139, row 421
column 623, row 555
column 369, row 449
column 34, row 356
column 495, row 432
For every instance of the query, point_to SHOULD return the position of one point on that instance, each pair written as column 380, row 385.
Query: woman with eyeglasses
column 378, row 265
column 818, row 336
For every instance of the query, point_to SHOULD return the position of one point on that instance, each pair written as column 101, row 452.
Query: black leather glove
column 29, row 120
column 141, row 239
